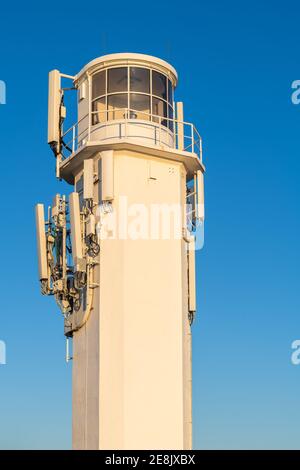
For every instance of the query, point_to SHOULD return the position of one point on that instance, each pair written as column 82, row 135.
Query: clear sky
column 236, row 62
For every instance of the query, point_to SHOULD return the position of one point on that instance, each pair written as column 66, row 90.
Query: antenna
column 200, row 195
column 54, row 101
column 107, row 175
column 41, row 242
column 88, row 179
column 75, row 229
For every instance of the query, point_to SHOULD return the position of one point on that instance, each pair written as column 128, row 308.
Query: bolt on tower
column 118, row 254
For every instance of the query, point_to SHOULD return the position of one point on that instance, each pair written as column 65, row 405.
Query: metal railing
column 181, row 135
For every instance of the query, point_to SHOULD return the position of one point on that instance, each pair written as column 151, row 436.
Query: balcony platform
column 70, row 165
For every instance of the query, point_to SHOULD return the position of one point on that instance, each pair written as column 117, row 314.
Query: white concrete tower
column 128, row 292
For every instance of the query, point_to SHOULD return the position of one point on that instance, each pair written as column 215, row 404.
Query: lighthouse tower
column 118, row 253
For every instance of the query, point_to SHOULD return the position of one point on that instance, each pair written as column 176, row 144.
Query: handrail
column 192, row 139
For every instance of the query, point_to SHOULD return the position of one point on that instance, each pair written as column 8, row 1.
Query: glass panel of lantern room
column 139, row 106
column 99, row 85
column 117, row 106
column 170, row 93
column 159, row 108
column 117, row 80
column 99, row 113
column 159, row 85
column 139, row 80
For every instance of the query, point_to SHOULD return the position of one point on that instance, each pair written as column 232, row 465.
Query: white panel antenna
column 200, row 195
column 88, row 179
column 107, row 177
column 75, row 223
column 41, row 242
column 54, row 101
column 192, row 275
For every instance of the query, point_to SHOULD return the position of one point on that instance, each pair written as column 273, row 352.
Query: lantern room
column 127, row 95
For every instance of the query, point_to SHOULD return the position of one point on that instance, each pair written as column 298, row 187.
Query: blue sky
column 236, row 62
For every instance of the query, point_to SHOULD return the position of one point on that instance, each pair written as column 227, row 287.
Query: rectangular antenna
column 192, row 275
column 75, row 222
column 200, row 195
column 55, row 206
column 54, row 98
column 88, row 179
column 107, row 175
column 41, row 241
